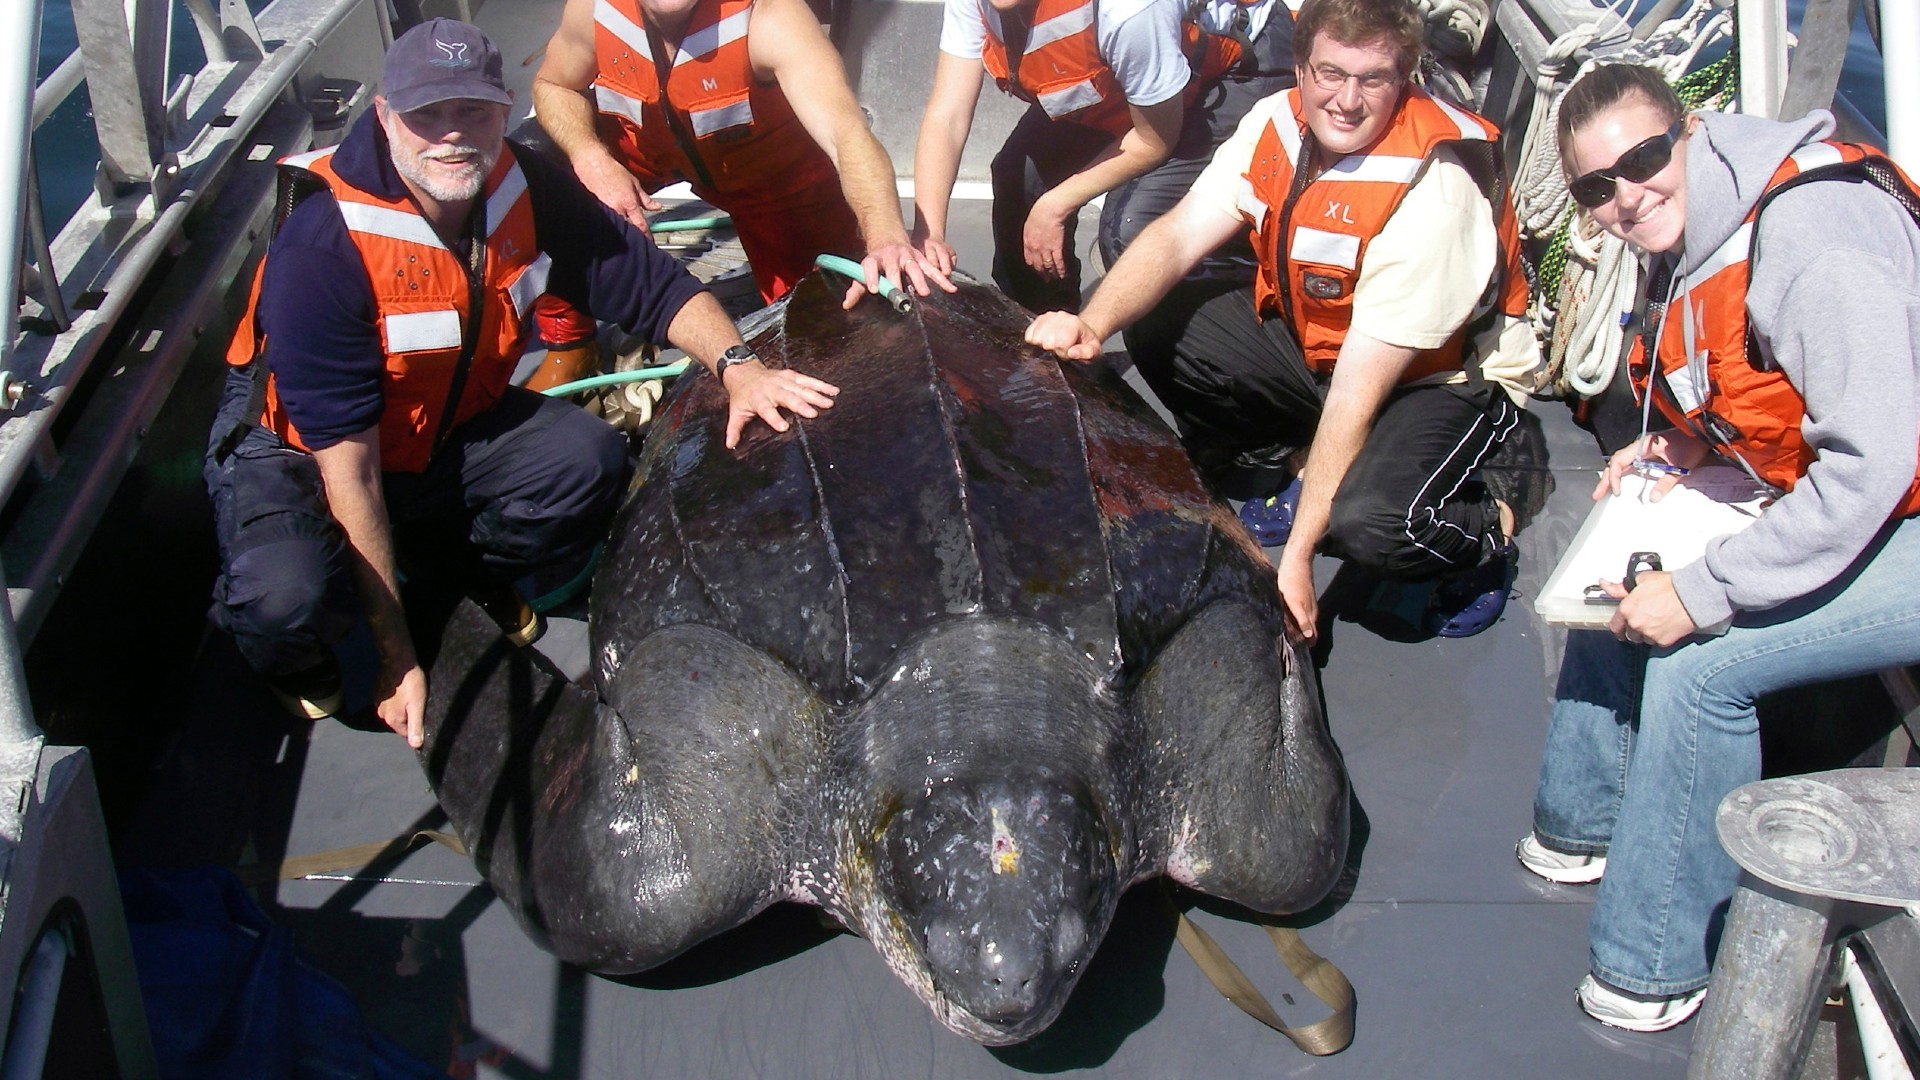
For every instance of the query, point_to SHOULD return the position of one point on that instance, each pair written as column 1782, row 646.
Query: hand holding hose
column 895, row 266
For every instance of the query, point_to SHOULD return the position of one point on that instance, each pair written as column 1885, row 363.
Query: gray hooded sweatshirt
column 1835, row 299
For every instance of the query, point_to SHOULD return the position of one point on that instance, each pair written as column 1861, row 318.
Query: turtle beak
column 1009, row 887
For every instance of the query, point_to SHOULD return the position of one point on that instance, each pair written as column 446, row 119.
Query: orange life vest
column 1061, row 71
column 423, row 305
column 1318, row 236
column 1737, row 400
column 734, row 138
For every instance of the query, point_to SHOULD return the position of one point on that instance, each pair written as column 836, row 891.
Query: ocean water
column 65, row 146
column 64, row 149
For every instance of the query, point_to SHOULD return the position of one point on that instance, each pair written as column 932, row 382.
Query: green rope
column 1713, row 83
column 1553, row 261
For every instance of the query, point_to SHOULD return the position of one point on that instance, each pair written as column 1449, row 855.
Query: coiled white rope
column 1588, row 337
column 1455, row 29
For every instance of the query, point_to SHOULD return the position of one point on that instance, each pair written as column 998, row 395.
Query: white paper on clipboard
column 1715, row 500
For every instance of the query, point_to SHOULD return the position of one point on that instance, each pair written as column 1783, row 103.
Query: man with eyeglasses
column 1385, row 336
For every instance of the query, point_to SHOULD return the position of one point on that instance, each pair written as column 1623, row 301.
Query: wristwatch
column 737, row 354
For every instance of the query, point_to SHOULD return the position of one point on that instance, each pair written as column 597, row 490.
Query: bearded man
column 368, row 416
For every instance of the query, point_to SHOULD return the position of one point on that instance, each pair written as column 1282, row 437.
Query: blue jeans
column 1644, row 744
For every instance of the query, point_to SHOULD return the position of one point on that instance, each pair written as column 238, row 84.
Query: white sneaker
column 1558, row 866
column 1634, row 1012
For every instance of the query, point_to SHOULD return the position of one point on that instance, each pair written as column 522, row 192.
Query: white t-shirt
column 1139, row 41
column 1426, row 271
column 1218, row 15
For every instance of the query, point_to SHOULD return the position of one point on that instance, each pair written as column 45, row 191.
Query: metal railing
column 18, row 22
column 163, row 155
column 149, row 249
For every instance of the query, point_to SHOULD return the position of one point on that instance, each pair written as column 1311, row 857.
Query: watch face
column 737, row 354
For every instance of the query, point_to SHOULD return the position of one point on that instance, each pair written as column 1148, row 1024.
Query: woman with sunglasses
column 1784, row 331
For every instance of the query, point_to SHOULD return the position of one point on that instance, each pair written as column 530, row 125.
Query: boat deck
column 1464, row 964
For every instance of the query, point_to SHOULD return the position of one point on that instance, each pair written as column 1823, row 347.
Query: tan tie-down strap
column 341, row 860
column 1315, row 972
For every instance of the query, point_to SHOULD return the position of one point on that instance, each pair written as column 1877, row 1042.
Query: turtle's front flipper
column 625, row 833
column 1254, row 789
column 662, row 825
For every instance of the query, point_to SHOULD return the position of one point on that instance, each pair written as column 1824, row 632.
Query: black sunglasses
column 1638, row 165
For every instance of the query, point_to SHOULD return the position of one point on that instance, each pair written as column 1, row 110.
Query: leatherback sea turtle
column 958, row 662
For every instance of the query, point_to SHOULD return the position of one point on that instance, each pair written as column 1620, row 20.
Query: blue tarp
column 227, row 998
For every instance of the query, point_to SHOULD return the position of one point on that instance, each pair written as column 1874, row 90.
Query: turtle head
column 1001, row 890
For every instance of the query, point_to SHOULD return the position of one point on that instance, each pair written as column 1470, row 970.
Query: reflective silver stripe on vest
column 1372, row 169
column 1816, row 155
column 530, row 284
column 1250, row 204
column 422, row 330
column 616, row 23
column 704, row 43
column 708, row 121
column 500, row 204
column 1687, row 392
column 1324, row 248
column 1071, row 99
column 1733, row 250
column 615, row 103
column 1469, row 128
column 402, row 225
column 1060, row 26
column 306, row 160
column 1280, row 118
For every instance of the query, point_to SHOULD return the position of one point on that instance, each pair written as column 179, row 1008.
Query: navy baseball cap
column 442, row 60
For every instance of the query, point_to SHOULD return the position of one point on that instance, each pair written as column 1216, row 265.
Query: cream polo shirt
column 1424, row 274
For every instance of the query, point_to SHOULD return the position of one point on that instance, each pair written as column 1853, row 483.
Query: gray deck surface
column 1463, row 963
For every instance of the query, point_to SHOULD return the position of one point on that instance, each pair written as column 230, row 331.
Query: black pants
column 1410, row 506
column 1039, row 154
column 528, row 485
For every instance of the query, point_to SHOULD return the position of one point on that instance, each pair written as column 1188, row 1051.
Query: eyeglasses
column 1332, row 79
column 1637, row 165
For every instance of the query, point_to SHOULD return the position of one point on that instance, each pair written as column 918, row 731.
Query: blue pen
column 1649, row 467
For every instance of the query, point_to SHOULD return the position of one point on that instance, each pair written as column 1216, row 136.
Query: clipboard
column 1714, row 501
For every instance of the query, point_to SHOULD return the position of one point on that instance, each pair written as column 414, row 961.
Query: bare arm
column 944, row 128
column 1150, row 267
column 1155, row 129
column 786, row 46
column 1365, row 373
column 350, row 473
column 703, row 331
column 560, row 99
